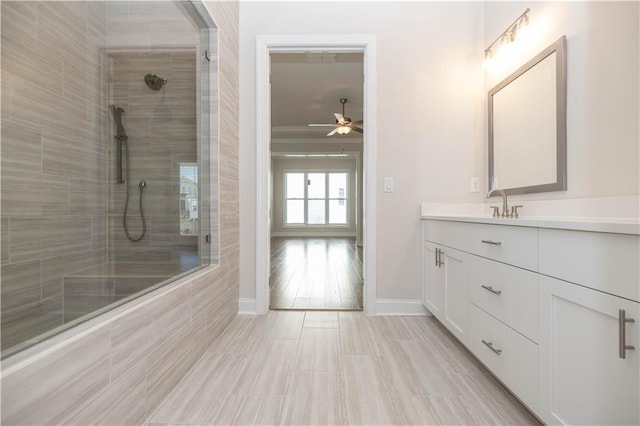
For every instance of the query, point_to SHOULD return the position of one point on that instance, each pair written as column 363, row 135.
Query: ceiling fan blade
column 339, row 117
column 357, row 129
column 320, row 125
column 358, row 122
column 333, row 132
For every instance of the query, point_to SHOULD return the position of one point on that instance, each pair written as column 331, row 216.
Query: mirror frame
column 560, row 49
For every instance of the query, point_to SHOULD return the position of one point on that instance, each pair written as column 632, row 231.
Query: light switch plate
column 388, row 184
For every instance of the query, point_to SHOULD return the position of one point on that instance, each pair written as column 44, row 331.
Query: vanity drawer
column 515, row 245
column 448, row 233
column 602, row 261
column 516, row 364
column 517, row 302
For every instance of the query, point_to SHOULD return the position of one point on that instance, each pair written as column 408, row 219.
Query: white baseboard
column 246, row 306
column 320, row 234
column 400, row 307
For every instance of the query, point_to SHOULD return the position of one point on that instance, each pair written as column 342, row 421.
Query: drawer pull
column 493, row 243
column 490, row 346
column 491, row 289
column 622, row 325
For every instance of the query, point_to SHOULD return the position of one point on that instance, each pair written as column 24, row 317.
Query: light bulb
column 488, row 59
column 343, row 130
column 524, row 33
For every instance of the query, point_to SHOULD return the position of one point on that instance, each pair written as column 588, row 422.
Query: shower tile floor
column 296, row 367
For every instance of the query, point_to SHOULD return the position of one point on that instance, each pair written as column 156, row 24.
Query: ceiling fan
column 343, row 125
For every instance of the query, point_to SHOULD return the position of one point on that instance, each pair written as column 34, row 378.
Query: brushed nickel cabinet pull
column 491, row 289
column 493, row 243
column 440, row 262
column 622, row 338
column 436, row 256
column 490, row 346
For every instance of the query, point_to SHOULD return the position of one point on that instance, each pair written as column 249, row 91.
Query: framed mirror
column 528, row 125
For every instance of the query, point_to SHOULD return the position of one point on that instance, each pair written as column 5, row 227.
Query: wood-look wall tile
column 56, row 159
column 220, row 314
column 34, row 194
column 19, row 21
column 21, row 284
column 21, row 148
column 169, row 361
column 4, row 239
column 27, row 322
column 131, row 339
column 28, row 399
column 121, row 403
column 47, row 237
column 56, row 267
column 205, row 291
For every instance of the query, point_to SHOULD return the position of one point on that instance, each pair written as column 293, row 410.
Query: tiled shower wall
column 54, row 205
column 117, row 371
column 161, row 126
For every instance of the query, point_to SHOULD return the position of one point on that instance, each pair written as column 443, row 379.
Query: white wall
column 430, row 108
column 603, row 108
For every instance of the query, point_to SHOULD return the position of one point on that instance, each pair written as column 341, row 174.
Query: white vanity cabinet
column 445, row 289
column 583, row 379
column 543, row 310
column 590, row 280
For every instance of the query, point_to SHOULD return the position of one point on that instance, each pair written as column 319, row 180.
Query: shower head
column 154, row 82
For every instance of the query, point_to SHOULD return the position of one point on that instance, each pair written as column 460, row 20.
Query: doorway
column 316, row 181
column 332, row 240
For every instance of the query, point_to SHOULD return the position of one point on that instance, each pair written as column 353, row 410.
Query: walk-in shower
column 106, row 192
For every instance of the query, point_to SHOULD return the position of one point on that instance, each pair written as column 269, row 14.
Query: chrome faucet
column 505, row 209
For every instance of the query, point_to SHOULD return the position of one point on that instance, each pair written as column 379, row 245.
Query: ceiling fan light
column 343, row 130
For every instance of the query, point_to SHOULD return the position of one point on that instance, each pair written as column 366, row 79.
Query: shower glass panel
column 105, row 107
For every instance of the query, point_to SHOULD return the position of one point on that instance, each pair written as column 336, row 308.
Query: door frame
column 265, row 44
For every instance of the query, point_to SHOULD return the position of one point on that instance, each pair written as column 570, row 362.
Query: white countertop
column 611, row 225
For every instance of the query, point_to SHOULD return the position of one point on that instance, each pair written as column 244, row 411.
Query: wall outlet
column 474, row 185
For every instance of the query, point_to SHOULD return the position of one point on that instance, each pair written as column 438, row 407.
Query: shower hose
column 141, row 185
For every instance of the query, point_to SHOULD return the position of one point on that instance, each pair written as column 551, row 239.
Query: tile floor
column 295, row 367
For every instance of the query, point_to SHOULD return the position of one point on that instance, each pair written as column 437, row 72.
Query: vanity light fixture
column 510, row 35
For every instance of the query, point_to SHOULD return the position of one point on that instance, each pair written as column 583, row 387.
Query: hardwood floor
column 315, row 273
column 296, row 367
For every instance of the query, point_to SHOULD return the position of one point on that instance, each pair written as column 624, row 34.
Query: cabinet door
column 455, row 264
column 433, row 295
column 583, row 380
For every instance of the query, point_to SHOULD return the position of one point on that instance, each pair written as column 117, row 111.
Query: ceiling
column 307, row 87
